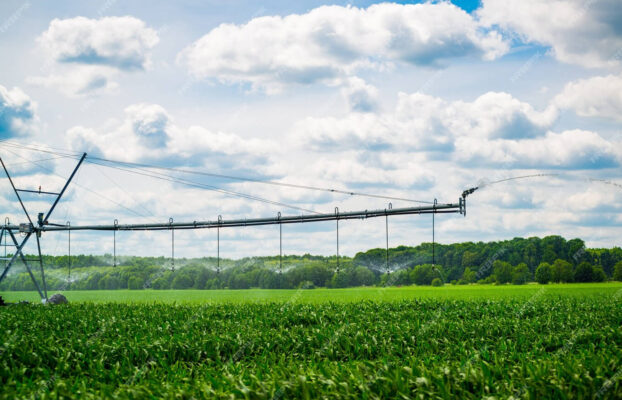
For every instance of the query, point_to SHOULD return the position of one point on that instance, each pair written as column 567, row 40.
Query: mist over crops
column 518, row 261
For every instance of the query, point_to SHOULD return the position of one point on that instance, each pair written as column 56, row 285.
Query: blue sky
column 408, row 100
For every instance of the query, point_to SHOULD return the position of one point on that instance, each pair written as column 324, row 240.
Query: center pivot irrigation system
column 43, row 224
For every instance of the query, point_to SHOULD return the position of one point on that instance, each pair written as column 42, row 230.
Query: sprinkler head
column 469, row 191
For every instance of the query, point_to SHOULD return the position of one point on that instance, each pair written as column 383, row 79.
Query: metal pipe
column 438, row 209
column 36, row 191
column 45, row 286
column 204, row 225
column 64, row 188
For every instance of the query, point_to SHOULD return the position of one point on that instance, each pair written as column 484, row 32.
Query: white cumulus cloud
column 85, row 55
column 360, row 95
column 599, row 96
column 331, row 42
column 148, row 133
column 120, row 42
column 17, row 112
column 572, row 149
column 79, row 81
column 580, row 32
column 351, row 169
column 427, row 123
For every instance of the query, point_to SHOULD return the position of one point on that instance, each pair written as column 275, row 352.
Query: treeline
column 518, row 261
column 510, row 261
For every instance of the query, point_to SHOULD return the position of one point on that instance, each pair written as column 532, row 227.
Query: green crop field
column 551, row 341
column 323, row 295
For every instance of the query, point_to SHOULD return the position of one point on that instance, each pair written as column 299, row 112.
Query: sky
column 409, row 100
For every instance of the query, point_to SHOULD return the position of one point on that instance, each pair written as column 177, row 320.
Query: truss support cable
column 186, row 182
column 100, row 161
column 80, row 186
column 103, row 161
column 107, row 163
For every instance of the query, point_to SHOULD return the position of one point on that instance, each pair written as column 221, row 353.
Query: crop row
column 557, row 347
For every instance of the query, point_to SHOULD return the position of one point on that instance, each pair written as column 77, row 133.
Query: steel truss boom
column 293, row 219
column 32, row 228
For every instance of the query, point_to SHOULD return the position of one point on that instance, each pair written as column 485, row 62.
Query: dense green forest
column 518, row 261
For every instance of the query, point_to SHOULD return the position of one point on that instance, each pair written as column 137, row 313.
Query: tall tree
column 583, row 273
column 562, row 271
column 502, row 271
column 521, row 274
column 543, row 273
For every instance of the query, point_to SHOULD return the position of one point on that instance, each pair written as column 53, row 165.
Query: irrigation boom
column 30, row 228
column 221, row 223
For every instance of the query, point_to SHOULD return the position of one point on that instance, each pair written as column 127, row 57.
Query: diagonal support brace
column 18, row 253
